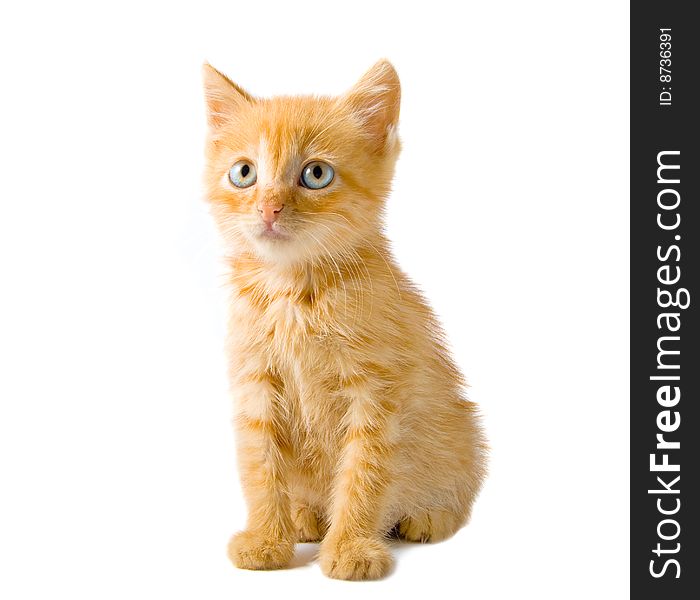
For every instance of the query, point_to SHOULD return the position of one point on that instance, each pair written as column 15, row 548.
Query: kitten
column 351, row 420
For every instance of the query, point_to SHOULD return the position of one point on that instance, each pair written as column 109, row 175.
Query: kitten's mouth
column 269, row 233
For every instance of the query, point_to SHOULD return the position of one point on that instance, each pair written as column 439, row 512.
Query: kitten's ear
column 224, row 98
column 376, row 99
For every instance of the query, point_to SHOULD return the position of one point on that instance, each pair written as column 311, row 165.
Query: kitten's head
column 295, row 179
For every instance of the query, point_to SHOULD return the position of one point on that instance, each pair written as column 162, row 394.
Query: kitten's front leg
column 268, row 540
column 354, row 547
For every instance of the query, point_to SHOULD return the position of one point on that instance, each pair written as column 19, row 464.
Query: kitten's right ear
column 224, row 98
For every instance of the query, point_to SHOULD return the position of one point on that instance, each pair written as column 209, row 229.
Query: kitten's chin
column 275, row 247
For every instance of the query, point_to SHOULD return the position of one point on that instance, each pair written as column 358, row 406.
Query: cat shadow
column 304, row 554
column 400, row 547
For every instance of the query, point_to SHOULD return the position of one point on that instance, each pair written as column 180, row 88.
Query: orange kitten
column 350, row 414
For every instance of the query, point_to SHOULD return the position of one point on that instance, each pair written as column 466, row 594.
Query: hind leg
column 309, row 527
column 431, row 525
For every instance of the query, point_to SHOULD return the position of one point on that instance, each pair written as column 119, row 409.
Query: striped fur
column 351, row 417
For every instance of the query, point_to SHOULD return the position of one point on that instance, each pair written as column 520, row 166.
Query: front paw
column 355, row 558
column 254, row 550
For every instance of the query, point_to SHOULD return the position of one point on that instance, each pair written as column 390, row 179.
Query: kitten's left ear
column 376, row 99
column 224, row 98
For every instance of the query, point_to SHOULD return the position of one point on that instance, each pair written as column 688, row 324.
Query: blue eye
column 317, row 175
column 242, row 174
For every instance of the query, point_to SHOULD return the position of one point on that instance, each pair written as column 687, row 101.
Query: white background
column 510, row 209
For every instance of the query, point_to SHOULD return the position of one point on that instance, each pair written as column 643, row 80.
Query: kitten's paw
column 431, row 526
column 309, row 527
column 253, row 550
column 355, row 558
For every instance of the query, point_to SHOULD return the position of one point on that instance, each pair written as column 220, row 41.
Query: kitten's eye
column 242, row 174
column 317, row 175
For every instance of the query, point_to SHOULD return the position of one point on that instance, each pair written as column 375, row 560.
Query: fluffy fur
column 350, row 415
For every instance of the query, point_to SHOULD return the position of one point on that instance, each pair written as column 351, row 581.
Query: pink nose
column 270, row 213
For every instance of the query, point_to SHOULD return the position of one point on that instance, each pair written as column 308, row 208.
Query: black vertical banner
column 665, row 333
